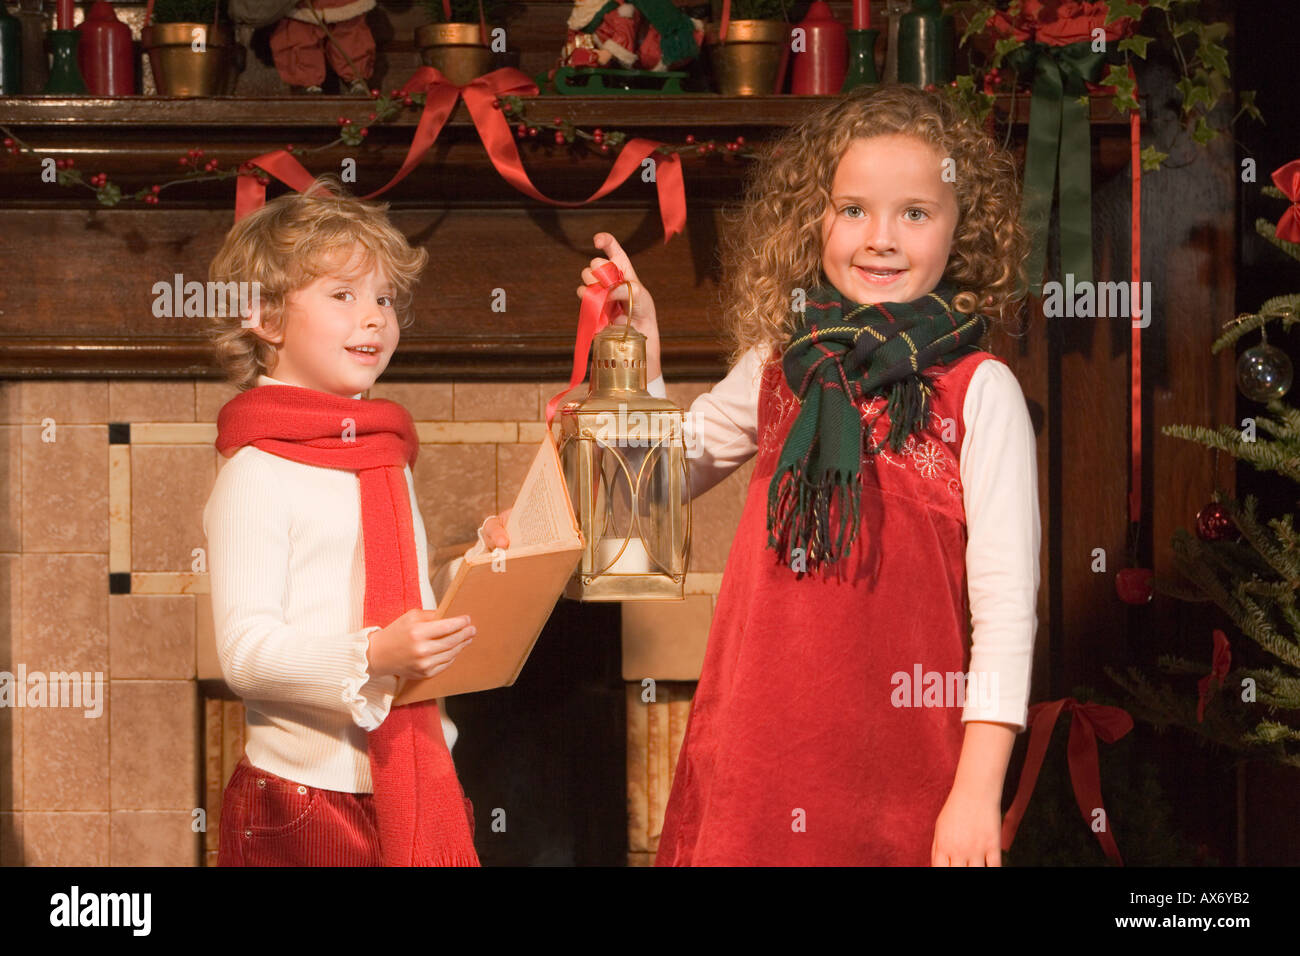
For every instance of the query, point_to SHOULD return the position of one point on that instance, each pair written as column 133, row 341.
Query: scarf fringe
column 799, row 515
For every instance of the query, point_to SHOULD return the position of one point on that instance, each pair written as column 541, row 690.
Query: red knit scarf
column 421, row 810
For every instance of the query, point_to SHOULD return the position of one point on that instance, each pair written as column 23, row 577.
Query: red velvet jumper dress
column 807, row 743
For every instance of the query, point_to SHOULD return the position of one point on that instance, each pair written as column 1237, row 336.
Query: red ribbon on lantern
column 1287, row 179
column 1219, row 667
column 596, row 313
column 493, row 129
column 1090, row 721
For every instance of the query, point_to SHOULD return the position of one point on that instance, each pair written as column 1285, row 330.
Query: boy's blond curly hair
column 289, row 243
column 773, row 244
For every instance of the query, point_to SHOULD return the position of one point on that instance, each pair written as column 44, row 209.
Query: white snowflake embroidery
column 929, row 460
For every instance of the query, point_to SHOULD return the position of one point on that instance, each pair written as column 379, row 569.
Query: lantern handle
column 628, row 327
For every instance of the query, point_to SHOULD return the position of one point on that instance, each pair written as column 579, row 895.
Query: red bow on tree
column 1287, row 179
column 1090, row 722
column 1219, row 668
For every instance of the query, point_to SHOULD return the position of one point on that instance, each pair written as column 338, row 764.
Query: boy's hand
column 417, row 645
column 493, row 531
column 643, row 306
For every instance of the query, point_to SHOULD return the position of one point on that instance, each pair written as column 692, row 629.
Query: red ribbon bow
column 596, row 313
column 440, row 100
column 1219, row 667
column 1287, row 179
column 1090, row 722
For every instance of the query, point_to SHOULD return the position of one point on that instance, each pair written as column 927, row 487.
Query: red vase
column 105, row 52
column 820, row 68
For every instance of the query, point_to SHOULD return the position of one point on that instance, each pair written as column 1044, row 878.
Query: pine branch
column 1268, row 230
column 1283, row 558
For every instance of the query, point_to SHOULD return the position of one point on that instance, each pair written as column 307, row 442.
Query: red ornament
column 1213, row 523
column 1133, row 585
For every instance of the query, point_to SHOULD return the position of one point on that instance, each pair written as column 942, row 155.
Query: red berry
column 521, row 129
column 156, row 189
column 374, row 94
column 8, row 141
column 690, row 137
column 496, row 102
column 407, row 101
column 604, row 147
column 289, row 148
column 740, row 141
column 532, row 131
column 559, row 139
column 364, row 131
column 372, row 117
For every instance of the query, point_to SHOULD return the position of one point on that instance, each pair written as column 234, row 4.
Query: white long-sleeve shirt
column 999, row 478
column 286, row 563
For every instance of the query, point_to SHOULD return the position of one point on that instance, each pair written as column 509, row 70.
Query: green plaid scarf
column 844, row 353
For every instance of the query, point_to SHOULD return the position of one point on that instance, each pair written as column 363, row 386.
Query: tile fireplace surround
column 103, row 485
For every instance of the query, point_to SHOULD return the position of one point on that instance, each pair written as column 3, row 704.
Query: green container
column 11, row 54
column 65, row 75
column 925, row 45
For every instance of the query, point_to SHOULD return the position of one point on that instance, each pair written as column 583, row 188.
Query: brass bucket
column 179, row 69
column 455, row 50
column 749, row 62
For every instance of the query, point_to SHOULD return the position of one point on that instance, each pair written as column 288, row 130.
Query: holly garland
column 353, row 132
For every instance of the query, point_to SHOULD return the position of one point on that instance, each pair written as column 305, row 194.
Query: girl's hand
column 493, row 531
column 968, row 832
column 417, row 645
column 643, row 306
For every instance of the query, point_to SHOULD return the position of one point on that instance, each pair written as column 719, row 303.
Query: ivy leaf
column 1203, row 132
column 977, row 23
column 1138, row 44
column 1152, row 158
column 1194, row 91
column 1158, row 4
column 1247, row 100
column 1119, row 9
column 1117, row 76
column 109, row 195
column 351, row 134
column 1181, row 28
column 1003, row 47
column 1215, row 56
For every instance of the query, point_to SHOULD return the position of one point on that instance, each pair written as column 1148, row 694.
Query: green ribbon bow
column 1060, row 142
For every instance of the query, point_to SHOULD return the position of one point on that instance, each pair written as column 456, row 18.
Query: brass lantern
column 624, row 458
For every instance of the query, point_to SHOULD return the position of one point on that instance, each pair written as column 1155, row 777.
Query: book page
column 541, row 514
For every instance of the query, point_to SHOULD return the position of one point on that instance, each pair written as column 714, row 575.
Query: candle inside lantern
column 63, row 15
column 861, row 14
column 634, row 560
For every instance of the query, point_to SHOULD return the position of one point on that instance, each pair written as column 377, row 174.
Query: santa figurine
column 300, row 46
column 645, row 34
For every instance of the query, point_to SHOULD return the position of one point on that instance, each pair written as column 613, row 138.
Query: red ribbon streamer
column 1219, row 667
column 494, row 130
column 596, row 313
column 1135, row 459
column 1287, row 179
column 1090, row 721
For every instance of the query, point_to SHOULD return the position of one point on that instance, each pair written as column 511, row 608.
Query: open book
column 509, row 595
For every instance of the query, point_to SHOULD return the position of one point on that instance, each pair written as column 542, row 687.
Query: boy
column 318, row 555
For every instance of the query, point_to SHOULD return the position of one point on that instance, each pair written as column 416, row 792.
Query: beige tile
column 532, row 433
column 11, row 610
column 65, row 487
column 155, row 731
column 170, row 485
column 65, row 612
column 65, row 757
column 456, row 486
column 426, row 401
column 512, row 466
column 151, row 636
column 11, row 399
column 68, row 403
column 11, row 839
column 65, row 839
column 154, row 838
column 151, row 401
column 501, row 401
column 207, row 666
column 665, row 640
column 209, row 396
column 715, row 516
column 11, row 488
column 466, row 433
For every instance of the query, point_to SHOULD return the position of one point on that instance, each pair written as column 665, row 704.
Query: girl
column 318, row 555
column 844, row 713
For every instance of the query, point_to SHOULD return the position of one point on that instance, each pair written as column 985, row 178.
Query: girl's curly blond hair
column 289, row 243
column 773, row 244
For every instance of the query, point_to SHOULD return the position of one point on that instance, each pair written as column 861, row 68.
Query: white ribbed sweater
column 286, row 564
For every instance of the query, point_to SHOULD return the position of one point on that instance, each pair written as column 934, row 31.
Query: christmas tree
column 1246, row 564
